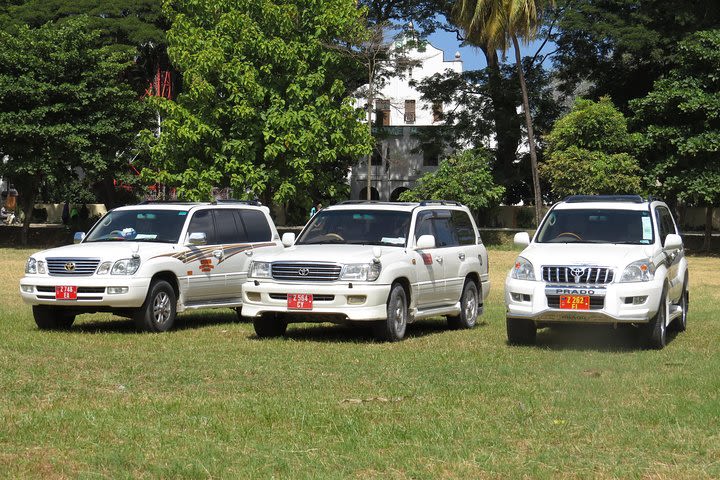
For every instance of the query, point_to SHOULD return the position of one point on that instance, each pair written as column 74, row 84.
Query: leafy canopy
column 590, row 152
column 264, row 108
column 464, row 177
column 680, row 122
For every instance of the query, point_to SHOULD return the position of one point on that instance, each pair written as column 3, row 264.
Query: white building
column 401, row 156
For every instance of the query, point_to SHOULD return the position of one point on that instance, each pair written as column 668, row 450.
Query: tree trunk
column 370, row 99
column 707, row 241
column 530, row 134
column 27, row 202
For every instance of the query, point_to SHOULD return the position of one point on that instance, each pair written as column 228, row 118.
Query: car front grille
column 77, row 267
column 311, row 272
column 316, row 298
column 577, row 274
column 46, row 289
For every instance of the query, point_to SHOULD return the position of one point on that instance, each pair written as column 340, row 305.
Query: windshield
column 357, row 227
column 162, row 226
column 597, row 226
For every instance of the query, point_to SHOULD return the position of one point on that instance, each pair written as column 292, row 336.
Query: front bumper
column 347, row 299
column 92, row 291
column 529, row 299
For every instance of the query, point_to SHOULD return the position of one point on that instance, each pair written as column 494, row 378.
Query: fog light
column 356, row 299
column 639, row 300
column 27, row 288
column 117, row 290
column 253, row 296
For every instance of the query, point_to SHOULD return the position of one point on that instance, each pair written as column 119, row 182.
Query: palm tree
column 495, row 25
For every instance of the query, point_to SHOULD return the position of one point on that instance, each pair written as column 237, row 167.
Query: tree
column 264, row 108
column 495, row 24
column 620, row 47
column 464, row 177
column 590, row 152
column 63, row 106
column 680, row 121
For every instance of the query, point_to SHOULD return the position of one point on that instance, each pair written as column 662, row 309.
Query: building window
column 409, row 111
column 382, row 112
column 376, row 158
column 437, row 110
column 431, row 155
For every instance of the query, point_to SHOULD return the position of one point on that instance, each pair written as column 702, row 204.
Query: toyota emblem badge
column 303, row 272
column 70, row 267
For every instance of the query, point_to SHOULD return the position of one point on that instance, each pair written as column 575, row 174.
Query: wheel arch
column 169, row 277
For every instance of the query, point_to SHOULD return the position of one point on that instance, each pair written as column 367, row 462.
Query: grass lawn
column 210, row 400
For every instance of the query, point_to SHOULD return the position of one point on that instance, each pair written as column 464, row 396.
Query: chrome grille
column 313, row 272
column 578, row 274
column 81, row 267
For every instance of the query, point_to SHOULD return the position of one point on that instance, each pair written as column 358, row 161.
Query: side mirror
column 197, row 238
column 673, row 242
column 425, row 242
column 522, row 239
column 288, row 239
column 78, row 237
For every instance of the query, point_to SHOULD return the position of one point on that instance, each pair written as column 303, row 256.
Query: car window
column 437, row 223
column 161, row 226
column 226, row 230
column 463, row 228
column 357, row 227
column 666, row 225
column 591, row 225
column 256, row 226
column 202, row 222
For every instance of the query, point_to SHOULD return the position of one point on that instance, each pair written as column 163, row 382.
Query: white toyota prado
column 612, row 259
column 149, row 262
column 384, row 263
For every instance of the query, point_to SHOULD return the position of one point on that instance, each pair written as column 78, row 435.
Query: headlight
column 367, row 272
column 260, row 270
column 523, row 269
column 31, row 265
column 126, row 266
column 41, row 267
column 640, row 271
column 104, row 268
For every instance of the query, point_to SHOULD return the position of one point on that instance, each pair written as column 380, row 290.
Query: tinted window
column 256, row 226
column 359, row 227
column 437, row 223
column 202, row 221
column 665, row 222
column 463, row 228
column 597, row 226
column 225, row 227
column 162, row 226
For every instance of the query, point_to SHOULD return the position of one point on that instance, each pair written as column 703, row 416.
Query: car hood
column 108, row 250
column 329, row 253
column 605, row 255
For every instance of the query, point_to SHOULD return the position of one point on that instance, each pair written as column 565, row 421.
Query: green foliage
column 590, row 152
column 464, row 177
column 680, row 121
column 63, row 106
column 264, row 108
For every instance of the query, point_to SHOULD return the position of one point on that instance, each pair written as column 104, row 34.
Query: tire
column 52, row 318
column 680, row 323
column 393, row 328
column 521, row 331
column 158, row 312
column 654, row 333
column 469, row 307
column 270, row 326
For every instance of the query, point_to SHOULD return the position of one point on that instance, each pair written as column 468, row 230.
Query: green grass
column 210, row 400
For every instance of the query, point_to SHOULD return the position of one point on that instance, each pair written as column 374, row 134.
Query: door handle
column 461, row 256
column 217, row 253
column 439, row 259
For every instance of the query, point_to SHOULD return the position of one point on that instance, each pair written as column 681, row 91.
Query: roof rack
column 167, row 202
column 440, row 202
column 242, row 202
column 214, row 202
column 603, row 198
column 374, row 202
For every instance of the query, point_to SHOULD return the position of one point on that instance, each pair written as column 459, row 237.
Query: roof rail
column 255, row 203
column 603, row 198
column 440, row 202
column 374, row 202
column 167, row 202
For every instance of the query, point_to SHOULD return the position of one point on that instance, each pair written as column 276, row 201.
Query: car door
column 666, row 226
column 429, row 266
column 459, row 255
column 206, row 276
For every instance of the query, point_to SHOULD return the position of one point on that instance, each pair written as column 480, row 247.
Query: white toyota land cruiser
column 613, row 259
column 384, row 263
column 150, row 261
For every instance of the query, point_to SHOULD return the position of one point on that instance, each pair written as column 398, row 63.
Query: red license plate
column 299, row 301
column 575, row 302
column 66, row 293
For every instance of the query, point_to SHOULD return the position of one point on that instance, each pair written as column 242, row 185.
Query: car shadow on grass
column 186, row 321
column 334, row 333
column 602, row 338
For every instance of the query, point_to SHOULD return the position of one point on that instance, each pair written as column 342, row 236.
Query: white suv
column 384, row 263
column 149, row 262
column 613, row 259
